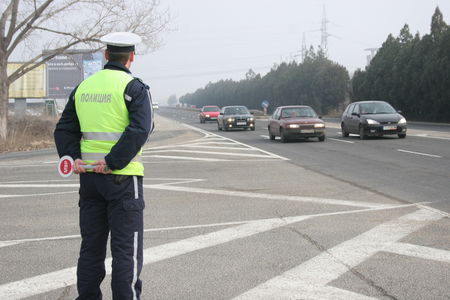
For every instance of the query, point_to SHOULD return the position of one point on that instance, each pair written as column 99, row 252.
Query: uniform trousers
column 110, row 204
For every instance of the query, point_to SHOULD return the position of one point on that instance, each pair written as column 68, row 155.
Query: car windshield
column 238, row 110
column 376, row 108
column 211, row 109
column 298, row 112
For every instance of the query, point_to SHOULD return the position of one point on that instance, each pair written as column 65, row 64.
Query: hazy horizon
column 214, row 40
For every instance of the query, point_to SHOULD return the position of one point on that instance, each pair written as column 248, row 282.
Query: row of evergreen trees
column 317, row 82
column 410, row 72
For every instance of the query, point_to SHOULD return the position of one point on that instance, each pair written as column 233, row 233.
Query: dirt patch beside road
column 29, row 133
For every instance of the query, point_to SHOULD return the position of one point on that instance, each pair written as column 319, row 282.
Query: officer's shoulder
column 138, row 82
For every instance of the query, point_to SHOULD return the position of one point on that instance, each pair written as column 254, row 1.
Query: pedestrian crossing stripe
column 310, row 278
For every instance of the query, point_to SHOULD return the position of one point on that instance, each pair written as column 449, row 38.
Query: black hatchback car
column 372, row 118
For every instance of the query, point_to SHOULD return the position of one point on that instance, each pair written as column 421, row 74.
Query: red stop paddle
column 66, row 166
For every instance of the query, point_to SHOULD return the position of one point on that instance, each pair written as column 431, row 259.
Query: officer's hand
column 78, row 166
column 101, row 167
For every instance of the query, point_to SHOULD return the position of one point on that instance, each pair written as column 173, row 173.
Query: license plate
column 389, row 127
column 307, row 131
column 241, row 123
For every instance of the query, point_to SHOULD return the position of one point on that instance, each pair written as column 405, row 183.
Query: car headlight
column 372, row 122
column 293, row 126
column 206, row 116
column 250, row 119
column 230, row 120
column 402, row 121
column 319, row 125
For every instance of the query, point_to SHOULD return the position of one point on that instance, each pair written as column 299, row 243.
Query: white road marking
column 75, row 179
column 185, row 158
column 77, row 236
column 59, row 279
column 267, row 159
column 37, row 185
column 219, row 147
column 424, row 135
column 199, row 226
column 443, row 213
column 26, row 166
column 419, row 252
column 307, row 280
column 213, row 142
column 342, row 141
column 210, row 152
column 265, row 137
column 190, row 144
column 419, row 153
column 168, row 187
column 34, row 195
column 234, row 141
column 52, row 238
column 265, row 196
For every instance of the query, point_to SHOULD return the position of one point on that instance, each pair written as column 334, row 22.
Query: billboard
column 66, row 71
column 31, row 85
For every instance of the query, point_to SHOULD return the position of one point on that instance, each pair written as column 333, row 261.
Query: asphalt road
column 233, row 215
column 412, row 170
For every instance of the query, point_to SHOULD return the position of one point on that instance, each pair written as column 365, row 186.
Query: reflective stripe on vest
column 103, row 117
column 100, row 156
column 102, row 136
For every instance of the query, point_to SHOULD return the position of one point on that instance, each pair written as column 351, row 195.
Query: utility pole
column 325, row 35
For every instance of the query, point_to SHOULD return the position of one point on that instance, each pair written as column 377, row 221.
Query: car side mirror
column 355, row 114
column 221, row 113
column 320, row 117
column 252, row 113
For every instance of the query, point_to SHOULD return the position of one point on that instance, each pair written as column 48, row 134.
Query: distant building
column 373, row 52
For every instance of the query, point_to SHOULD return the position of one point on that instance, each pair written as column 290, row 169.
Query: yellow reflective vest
column 103, row 117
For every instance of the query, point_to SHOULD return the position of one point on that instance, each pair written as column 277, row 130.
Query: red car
column 293, row 122
column 209, row 113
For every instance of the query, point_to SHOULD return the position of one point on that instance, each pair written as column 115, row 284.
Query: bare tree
column 28, row 27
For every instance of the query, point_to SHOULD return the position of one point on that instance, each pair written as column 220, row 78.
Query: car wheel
column 362, row 136
column 402, row 135
column 218, row 126
column 344, row 131
column 271, row 136
column 252, row 128
column 321, row 138
column 225, row 127
column 201, row 121
column 283, row 136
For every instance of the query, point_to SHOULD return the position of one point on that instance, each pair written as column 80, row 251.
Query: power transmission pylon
column 325, row 34
column 303, row 51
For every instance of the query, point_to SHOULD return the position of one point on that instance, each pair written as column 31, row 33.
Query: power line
column 199, row 74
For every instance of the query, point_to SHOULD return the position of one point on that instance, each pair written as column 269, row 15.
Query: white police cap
column 121, row 41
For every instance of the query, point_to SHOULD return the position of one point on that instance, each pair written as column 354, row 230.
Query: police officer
column 106, row 121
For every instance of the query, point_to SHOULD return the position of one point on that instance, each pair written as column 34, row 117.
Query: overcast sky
column 212, row 40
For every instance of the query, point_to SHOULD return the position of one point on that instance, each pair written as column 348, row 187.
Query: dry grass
column 29, row 133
